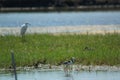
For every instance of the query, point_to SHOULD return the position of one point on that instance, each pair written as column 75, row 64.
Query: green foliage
column 50, row 49
column 57, row 3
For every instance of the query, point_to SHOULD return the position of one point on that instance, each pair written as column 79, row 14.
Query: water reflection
column 69, row 76
column 60, row 75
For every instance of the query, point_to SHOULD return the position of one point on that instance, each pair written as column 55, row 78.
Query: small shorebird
column 68, row 64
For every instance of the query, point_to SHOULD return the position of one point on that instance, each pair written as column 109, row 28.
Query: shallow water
column 45, row 19
column 60, row 75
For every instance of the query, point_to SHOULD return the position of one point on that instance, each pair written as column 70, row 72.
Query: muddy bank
column 85, row 29
column 43, row 67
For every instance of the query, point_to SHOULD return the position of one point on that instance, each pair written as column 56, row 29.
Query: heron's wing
column 22, row 25
column 66, row 62
column 23, row 30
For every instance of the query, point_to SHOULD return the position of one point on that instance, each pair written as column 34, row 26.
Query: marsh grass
column 50, row 49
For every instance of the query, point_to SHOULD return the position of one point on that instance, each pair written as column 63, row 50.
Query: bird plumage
column 69, row 62
column 24, row 28
column 68, row 65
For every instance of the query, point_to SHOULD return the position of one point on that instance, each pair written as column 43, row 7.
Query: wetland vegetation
column 88, row 49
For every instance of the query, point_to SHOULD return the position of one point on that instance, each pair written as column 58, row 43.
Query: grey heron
column 24, row 29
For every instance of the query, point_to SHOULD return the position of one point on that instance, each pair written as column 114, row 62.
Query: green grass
column 50, row 49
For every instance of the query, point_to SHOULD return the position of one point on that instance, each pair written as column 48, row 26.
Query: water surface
column 45, row 19
column 60, row 75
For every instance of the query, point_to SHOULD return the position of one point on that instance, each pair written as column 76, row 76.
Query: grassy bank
column 49, row 49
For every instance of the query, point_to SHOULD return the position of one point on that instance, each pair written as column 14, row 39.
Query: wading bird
column 68, row 64
column 24, row 28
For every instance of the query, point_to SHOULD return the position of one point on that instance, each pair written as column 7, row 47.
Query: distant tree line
column 55, row 3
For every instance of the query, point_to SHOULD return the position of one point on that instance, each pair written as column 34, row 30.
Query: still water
column 60, row 75
column 45, row 19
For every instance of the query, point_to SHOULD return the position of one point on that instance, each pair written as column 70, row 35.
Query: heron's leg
column 23, row 38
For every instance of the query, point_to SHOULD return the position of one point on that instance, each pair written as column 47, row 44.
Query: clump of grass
column 50, row 49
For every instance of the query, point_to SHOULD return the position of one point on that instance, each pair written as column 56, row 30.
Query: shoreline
column 83, row 29
column 94, row 29
column 47, row 9
column 48, row 67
